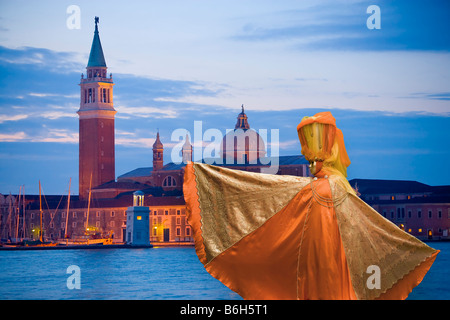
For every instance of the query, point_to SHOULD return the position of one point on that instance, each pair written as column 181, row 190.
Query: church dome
column 243, row 144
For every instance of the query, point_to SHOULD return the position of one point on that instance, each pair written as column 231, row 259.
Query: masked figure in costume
column 285, row 237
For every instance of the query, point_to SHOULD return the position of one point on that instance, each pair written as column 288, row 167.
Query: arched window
column 169, row 181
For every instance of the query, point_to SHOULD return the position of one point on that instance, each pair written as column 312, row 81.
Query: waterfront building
column 417, row 208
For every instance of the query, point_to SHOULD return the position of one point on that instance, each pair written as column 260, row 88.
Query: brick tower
column 96, row 122
column 158, row 154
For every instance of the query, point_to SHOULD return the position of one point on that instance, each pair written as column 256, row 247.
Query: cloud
column 147, row 112
column 52, row 115
column 46, row 135
column 135, row 142
column 13, row 137
column 17, row 117
column 444, row 96
column 285, row 145
column 44, row 59
column 336, row 25
column 57, row 135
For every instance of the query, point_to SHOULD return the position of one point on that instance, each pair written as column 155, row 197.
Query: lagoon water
column 173, row 273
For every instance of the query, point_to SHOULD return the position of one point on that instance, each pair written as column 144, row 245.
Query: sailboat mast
column 9, row 215
column 18, row 213
column 23, row 212
column 40, row 212
column 89, row 204
column 67, row 215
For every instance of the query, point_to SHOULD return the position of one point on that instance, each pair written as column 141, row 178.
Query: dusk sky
column 176, row 62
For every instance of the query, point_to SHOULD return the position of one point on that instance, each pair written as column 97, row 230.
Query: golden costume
column 285, row 237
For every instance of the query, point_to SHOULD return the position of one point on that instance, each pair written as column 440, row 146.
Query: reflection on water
column 157, row 273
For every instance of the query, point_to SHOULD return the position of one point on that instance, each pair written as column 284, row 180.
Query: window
column 178, row 231
column 392, row 197
column 74, row 224
column 409, row 214
column 139, row 218
column 169, row 181
column 419, row 213
column 74, row 214
column 155, row 212
column 178, row 212
column 98, row 214
column 188, row 231
column 97, row 224
column 420, row 230
column 113, row 214
column 439, row 213
column 392, row 214
column 430, row 214
column 166, row 212
column 178, row 221
column 112, row 224
column 384, row 213
column 32, row 214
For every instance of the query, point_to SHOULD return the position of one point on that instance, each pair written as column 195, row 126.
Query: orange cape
column 284, row 237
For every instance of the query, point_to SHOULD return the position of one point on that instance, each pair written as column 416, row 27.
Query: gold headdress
column 323, row 146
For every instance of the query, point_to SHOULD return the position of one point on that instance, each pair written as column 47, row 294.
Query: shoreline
column 97, row 246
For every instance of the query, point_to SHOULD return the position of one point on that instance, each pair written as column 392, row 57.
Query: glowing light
column 139, row 218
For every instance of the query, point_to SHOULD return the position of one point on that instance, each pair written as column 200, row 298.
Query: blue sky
column 176, row 62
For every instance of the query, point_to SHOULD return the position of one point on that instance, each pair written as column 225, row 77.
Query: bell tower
column 158, row 152
column 96, row 122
